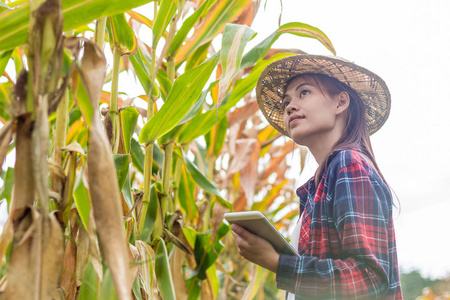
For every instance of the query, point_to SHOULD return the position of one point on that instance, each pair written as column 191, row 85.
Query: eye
column 285, row 104
column 304, row 93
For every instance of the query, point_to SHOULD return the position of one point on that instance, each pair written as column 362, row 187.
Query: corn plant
column 112, row 199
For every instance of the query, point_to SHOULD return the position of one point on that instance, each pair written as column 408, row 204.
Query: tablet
column 257, row 223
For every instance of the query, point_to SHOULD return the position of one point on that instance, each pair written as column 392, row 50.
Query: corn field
column 113, row 197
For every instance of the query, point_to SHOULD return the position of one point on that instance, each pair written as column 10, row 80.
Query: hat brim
column 372, row 90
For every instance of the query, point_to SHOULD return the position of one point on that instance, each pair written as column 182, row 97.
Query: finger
column 241, row 231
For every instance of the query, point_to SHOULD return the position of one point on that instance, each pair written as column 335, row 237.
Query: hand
column 255, row 248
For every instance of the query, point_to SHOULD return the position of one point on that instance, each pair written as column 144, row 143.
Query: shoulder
column 350, row 165
column 342, row 159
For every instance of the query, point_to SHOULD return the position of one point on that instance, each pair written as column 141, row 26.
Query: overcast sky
column 407, row 43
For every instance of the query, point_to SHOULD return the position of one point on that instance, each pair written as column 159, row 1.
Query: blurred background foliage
column 415, row 286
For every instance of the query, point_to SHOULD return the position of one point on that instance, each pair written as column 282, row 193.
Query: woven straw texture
column 371, row 88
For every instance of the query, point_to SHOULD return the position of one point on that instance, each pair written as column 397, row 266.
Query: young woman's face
column 309, row 112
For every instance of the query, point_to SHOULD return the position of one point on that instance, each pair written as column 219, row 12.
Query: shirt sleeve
column 361, row 215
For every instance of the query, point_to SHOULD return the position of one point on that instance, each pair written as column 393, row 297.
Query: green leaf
column 296, row 28
column 14, row 24
column 187, row 25
column 141, row 67
column 151, row 216
column 6, row 94
column 305, row 30
column 122, row 34
column 235, row 38
column 186, row 195
column 164, row 83
column 222, row 13
column 206, row 253
column 137, row 156
column 84, row 103
column 89, row 284
column 126, row 192
column 202, row 181
column 137, row 288
column 81, row 198
column 184, row 94
column 4, row 58
column 163, row 274
column 128, row 118
column 170, row 136
column 107, row 288
column 165, row 14
column 8, row 183
column 258, row 52
column 122, row 163
column 3, row 7
column 194, row 286
column 197, row 57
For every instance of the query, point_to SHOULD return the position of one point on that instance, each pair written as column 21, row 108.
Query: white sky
column 407, row 43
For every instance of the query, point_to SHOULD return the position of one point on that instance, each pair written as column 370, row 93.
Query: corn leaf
column 8, row 183
column 122, row 34
column 163, row 274
column 4, row 58
column 107, row 289
column 141, row 67
column 206, row 250
column 305, row 30
column 165, row 15
column 6, row 136
column 197, row 57
column 200, row 179
column 186, row 195
column 187, row 26
column 128, row 120
column 165, row 85
column 141, row 19
column 14, row 23
column 3, row 7
column 122, row 163
column 81, row 198
column 234, row 39
column 184, row 94
column 147, row 274
column 223, row 12
column 89, row 284
column 6, row 89
column 137, row 156
column 153, row 214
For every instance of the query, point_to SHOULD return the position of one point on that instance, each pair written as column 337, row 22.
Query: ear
column 342, row 102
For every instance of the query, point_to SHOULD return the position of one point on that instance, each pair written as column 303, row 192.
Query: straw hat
column 371, row 89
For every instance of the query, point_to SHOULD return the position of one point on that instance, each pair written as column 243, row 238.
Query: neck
column 321, row 146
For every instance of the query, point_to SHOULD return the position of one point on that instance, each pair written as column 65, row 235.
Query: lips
column 295, row 117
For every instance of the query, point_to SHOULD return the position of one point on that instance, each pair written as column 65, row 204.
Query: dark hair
column 356, row 131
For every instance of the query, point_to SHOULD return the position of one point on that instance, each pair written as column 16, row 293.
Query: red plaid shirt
column 347, row 240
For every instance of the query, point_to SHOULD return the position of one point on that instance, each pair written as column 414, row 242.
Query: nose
column 290, row 108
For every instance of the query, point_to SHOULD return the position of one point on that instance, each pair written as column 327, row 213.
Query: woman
column 345, row 233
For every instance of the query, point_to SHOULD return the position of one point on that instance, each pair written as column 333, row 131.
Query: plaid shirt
column 347, row 240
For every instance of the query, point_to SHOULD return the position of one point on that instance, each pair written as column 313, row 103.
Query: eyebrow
column 302, row 85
